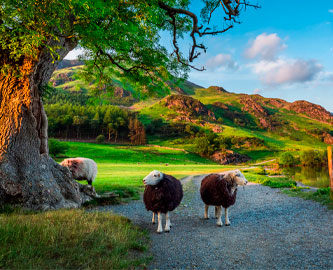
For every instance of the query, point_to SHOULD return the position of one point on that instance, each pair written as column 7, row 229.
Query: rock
column 261, row 114
column 311, row 110
column 229, row 157
column 188, row 107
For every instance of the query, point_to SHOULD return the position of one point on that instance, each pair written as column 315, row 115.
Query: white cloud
column 330, row 10
column 266, row 46
column 286, row 71
column 221, row 60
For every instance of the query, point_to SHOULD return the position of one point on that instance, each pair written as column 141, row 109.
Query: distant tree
column 312, row 158
column 287, row 159
column 137, row 133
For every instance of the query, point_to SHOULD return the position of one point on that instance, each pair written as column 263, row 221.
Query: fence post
column 330, row 170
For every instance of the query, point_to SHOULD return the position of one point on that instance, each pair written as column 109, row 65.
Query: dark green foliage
column 137, row 134
column 57, row 147
column 206, row 145
column 60, row 96
column 100, row 138
column 74, row 121
column 287, row 159
column 247, row 142
column 313, row 158
column 155, row 126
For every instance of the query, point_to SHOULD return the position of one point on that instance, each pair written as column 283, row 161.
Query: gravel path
column 269, row 230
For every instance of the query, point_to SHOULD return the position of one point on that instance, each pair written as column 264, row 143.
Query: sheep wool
column 216, row 190
column 163, row 197
column 81, row 168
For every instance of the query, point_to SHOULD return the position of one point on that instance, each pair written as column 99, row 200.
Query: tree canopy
column 120, row 37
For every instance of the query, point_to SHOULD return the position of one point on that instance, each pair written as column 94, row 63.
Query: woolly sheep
column 81, row 168
column 220, row 190
column 163, row 193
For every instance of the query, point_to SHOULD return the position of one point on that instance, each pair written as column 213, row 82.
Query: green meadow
column 123, row 167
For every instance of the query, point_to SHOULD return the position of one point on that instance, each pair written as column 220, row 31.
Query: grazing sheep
column 81, row 168
column 220, row 190
column 163, row 193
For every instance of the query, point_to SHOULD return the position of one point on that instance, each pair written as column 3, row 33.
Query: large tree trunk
column 28, row 176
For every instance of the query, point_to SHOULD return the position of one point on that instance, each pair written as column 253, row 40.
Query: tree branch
column 230, row 7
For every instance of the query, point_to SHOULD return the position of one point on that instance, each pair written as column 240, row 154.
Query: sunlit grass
column 70, row 239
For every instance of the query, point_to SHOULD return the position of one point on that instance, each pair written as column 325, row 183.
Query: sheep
column 81, row 168
column 220, row 190
column 163, row 193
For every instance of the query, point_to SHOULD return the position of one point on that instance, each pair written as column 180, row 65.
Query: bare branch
column 230, row 7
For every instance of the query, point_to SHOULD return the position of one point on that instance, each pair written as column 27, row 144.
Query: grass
column 321, row 195
column 273, row 182
column 122, row 168
column 70, row 239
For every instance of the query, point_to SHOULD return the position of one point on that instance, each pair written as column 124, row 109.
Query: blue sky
column 282, row 50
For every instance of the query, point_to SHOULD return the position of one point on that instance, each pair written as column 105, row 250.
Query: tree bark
column 28, row 176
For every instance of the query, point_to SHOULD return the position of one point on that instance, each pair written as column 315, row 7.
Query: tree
column 287, row 159
column 121, row 38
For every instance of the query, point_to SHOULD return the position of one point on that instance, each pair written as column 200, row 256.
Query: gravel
column 269, row 230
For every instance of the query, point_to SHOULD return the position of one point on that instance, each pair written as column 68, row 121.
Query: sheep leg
column 167, row 222
column 153, row 219
column 216, row 211
column 159, row 220
column 206, row 215
column 219, row 215
column 227, row 221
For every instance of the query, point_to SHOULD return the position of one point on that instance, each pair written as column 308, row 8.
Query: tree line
column 87, row 122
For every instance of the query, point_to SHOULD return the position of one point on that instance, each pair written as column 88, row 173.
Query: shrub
column 312, row 158
column 287, row 159
column 100, row 138
column 57, row 147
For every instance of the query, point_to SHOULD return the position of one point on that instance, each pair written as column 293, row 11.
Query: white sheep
column 81, row 168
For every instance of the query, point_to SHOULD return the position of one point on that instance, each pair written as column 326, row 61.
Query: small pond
column 314, row 177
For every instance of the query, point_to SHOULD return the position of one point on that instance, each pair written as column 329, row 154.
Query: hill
column 190, row 109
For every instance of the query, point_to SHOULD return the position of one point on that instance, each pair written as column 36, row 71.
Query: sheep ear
column 159, row 175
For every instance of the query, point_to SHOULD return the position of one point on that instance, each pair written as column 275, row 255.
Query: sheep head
column 237, row 177
column 153, row 178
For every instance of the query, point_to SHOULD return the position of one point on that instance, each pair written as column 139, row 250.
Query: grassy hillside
column 282, row 125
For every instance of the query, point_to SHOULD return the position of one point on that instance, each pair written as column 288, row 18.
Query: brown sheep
column 163, row 193
column 220, row 190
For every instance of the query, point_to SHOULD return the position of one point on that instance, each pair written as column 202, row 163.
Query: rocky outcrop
column 62, row 78
column 311, row 110
column 70, row 63
column 220, row 105
column 188, row 107
column 229, row 157
column 217, row 89
column 260, row 113
column 327, row 138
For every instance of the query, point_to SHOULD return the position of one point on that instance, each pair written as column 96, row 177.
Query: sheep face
column 238, row 178
column 153, row 178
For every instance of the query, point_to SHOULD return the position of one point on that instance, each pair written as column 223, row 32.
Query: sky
column 282, row 50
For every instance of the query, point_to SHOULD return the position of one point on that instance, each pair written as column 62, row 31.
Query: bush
column 312, row 158
column 100, row 138
column 287, row 159
column 57, row 147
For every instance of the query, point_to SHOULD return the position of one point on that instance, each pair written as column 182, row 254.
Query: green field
column 124, row 167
